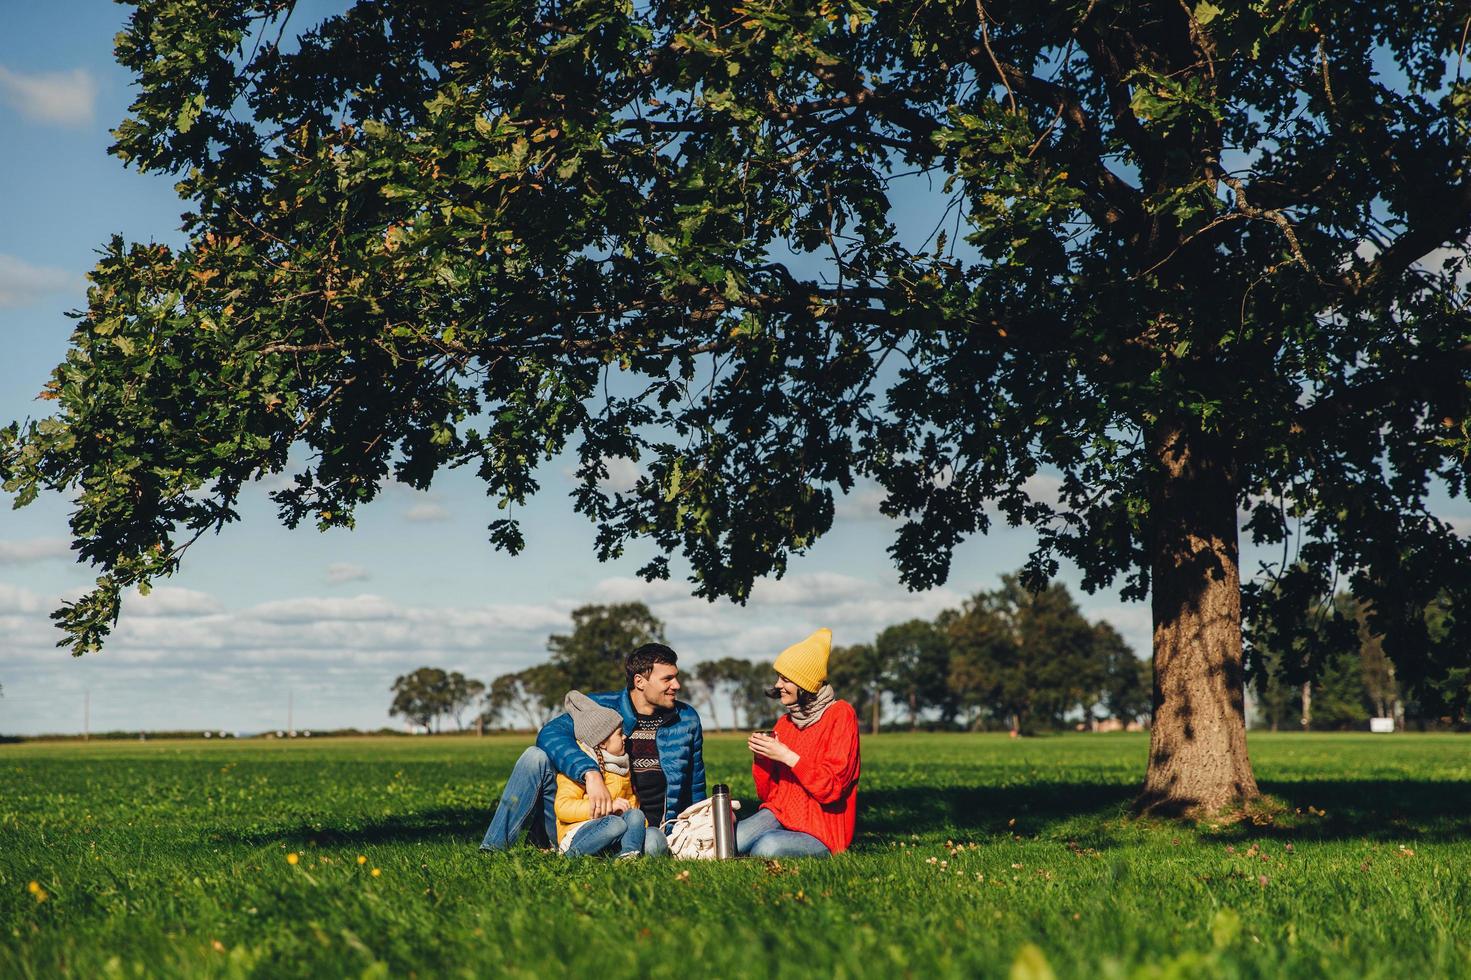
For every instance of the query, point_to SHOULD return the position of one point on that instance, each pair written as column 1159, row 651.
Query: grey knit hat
column 591, row 722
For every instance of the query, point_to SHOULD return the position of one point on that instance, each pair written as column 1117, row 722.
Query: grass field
column 977, row 856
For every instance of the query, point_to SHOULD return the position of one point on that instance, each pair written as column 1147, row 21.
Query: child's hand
column 621, row 805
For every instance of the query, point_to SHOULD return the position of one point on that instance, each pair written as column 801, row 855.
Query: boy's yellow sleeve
column 571, row 805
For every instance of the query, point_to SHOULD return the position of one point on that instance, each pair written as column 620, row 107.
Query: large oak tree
column 1192, row 260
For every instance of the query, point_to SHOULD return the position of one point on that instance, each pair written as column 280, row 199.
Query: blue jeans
column 626, row 830
column 532, row 786
column 762, row 835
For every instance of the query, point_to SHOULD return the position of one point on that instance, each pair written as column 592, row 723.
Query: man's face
column 660, row 686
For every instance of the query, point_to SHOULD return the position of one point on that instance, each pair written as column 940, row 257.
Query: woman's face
column 613, row 744
column 786, row 690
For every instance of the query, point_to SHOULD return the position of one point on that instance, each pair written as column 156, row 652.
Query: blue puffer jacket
column 681, row 750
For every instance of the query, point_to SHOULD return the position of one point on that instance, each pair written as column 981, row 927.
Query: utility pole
column 87, row 715
column 290, row 709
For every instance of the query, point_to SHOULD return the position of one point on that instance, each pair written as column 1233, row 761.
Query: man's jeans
column 531, row 789
column 626, row 830
column 762, row 835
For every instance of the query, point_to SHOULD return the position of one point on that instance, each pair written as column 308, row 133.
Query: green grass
column 171, row 859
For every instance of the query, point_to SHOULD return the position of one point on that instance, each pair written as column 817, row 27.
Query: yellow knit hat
column 805, row 663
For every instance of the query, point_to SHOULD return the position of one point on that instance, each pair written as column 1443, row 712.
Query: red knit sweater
column 819, row 795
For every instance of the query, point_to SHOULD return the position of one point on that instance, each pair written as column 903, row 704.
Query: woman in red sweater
column 806, row 772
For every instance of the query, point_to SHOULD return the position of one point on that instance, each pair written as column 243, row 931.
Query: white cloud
column 167, row 602
column 630, row 589
column 1460, row 523
column 63, row 98
column 33, row 549
column 1133, row 620
column 1044, row 489
column 862, row 504
column 313, row 610
column 14, row 599
column 275, row 482
column 779, row 613
column 22, row 283
column 340, row 572
column 816, row 589
column 623, row 474
column 364, row 641
column 426, row 513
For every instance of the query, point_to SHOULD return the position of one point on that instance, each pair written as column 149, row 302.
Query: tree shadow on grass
column 1379, row 810
column 1080, row 811
column 1093, row 814
column 447, row 825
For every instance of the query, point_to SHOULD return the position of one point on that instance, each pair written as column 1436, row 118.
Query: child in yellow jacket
column 599, row 732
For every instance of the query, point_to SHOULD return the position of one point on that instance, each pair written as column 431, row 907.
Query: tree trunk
column 1307, row 706
column 877, row 696
column 913, row 711
column 1197, row 744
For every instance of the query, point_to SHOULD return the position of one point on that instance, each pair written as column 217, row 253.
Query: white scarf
column 616, row 764
column 802, row 717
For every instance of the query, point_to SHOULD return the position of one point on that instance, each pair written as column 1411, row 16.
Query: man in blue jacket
column 665, row 751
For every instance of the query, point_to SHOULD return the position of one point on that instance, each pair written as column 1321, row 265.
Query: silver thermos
column 724, row 821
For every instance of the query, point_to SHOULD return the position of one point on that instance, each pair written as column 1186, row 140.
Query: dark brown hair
column 642, row 660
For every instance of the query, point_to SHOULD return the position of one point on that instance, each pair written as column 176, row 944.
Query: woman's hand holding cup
column 768, row 746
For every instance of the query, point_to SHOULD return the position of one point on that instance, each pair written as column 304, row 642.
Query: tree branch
column 1121, row 200
column 1421, row 378
column 1447, row 222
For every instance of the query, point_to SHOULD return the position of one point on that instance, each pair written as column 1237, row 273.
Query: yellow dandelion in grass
column 33, row 887
column 375, row 872
column 362, row 859
column 292, row 858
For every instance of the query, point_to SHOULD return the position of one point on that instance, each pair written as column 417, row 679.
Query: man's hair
column 642, row 660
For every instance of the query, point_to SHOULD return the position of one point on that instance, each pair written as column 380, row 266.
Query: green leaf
column 1205, row 12
column 188, row 113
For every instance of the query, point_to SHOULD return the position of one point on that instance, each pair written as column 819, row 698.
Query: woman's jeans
column 532, row 791
column 626, row 830
column 762, row 835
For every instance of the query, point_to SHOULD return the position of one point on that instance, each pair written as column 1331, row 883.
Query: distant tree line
column 1335, row 675
column 429, row 694
column 1008, row 658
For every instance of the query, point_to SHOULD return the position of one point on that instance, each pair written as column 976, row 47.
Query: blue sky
column 259, row 612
